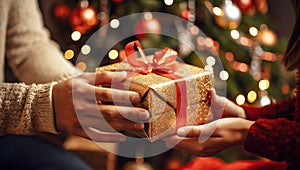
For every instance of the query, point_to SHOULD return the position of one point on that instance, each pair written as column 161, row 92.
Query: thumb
column 195, row 131
column 189, row 131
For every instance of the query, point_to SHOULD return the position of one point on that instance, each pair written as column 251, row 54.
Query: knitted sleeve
column 31, row 54
column 284, row 109
column 277, row 139
column 26, row 109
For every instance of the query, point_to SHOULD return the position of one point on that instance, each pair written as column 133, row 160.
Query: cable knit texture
column 26, row 108
column 276, row 131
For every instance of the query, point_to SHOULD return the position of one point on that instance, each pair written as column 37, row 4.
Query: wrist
column 241, row 113
column 245, row 126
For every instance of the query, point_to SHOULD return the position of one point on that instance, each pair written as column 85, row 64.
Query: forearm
column 26, row 109
column 276, row 139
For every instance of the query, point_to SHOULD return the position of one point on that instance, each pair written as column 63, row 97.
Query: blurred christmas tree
column 238, row 31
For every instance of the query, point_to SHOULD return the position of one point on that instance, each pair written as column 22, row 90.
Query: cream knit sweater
column 26, row 108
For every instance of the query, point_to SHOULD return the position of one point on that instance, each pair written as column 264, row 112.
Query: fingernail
column 144, row 114
column 181, row 132
column 135, row 98
column 122, row 139
column 138, row 126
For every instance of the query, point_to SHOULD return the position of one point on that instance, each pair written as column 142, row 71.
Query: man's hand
column 77, row 111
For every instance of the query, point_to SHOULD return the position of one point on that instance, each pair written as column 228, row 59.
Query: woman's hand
column 78, row 113
column 211, row 138
column 222, row 107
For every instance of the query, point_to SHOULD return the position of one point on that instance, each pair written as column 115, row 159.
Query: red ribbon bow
column 157, row 65
column 166, row 68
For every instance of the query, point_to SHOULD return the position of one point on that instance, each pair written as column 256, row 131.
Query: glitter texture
column 159, row 97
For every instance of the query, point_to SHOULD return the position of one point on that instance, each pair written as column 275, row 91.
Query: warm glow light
column 148, row 16
column 89, row 14
column 235, row 34
column 263, row 84
column 75, row 35
column 265, row 100
column 210, row 60
column 169, row 2
column 69, row 54
column 229, row 56
column 224, row 75
column 268, row 37
column 114, row 23
column 113, row 54
column 232, row 12
column 240, row 99
column 86, row 49
column 195, row 30
column 81, row 66
column 217, row 11
column 208, row 68
column 84, row 4
column 252, row 96
column 209, row 42
column 253, row 31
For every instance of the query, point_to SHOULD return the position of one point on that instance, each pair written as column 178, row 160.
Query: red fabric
column 284, row 108
column 276, row 132
column 212, row 163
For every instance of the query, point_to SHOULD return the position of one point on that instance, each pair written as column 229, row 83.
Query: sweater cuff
column 251, row 112
column 46, row 116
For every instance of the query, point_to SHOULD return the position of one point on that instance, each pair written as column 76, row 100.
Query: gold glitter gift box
column 159, row 96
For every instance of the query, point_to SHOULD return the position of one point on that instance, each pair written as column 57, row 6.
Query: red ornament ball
column 147, row 26
column 246, row 6
column 184, row 14
column 62, row 11
column 83, row 19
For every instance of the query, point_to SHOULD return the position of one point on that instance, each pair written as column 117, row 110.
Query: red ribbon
column 166, row 68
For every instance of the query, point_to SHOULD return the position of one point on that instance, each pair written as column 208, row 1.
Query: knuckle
column 102, row 74
column 109, row 113
column 105, row 94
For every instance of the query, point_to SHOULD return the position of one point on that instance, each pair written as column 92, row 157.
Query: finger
column 87, row 91
column 99, row 136
column 102, row 124
column 189, row 131
column 104, row 77
column 116, row 95
column 195, row 131
column 123, row 112
column 207, row 148
column 172, row 141
column 111, row 112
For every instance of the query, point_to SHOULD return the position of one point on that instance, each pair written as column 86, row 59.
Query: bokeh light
column 86, row 49
column 252, row 96
column 240, row 99
column 113, row 54
column 75, row 36
column 264, row 84
column 69, row 54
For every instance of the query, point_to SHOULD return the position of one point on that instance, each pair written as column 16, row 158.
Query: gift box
column 176, row 94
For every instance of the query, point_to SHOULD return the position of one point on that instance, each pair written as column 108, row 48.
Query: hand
column 77, row 112
column 220, row 134
column 222, row 107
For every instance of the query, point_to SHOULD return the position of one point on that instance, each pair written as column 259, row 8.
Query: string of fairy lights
column 228, row 15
